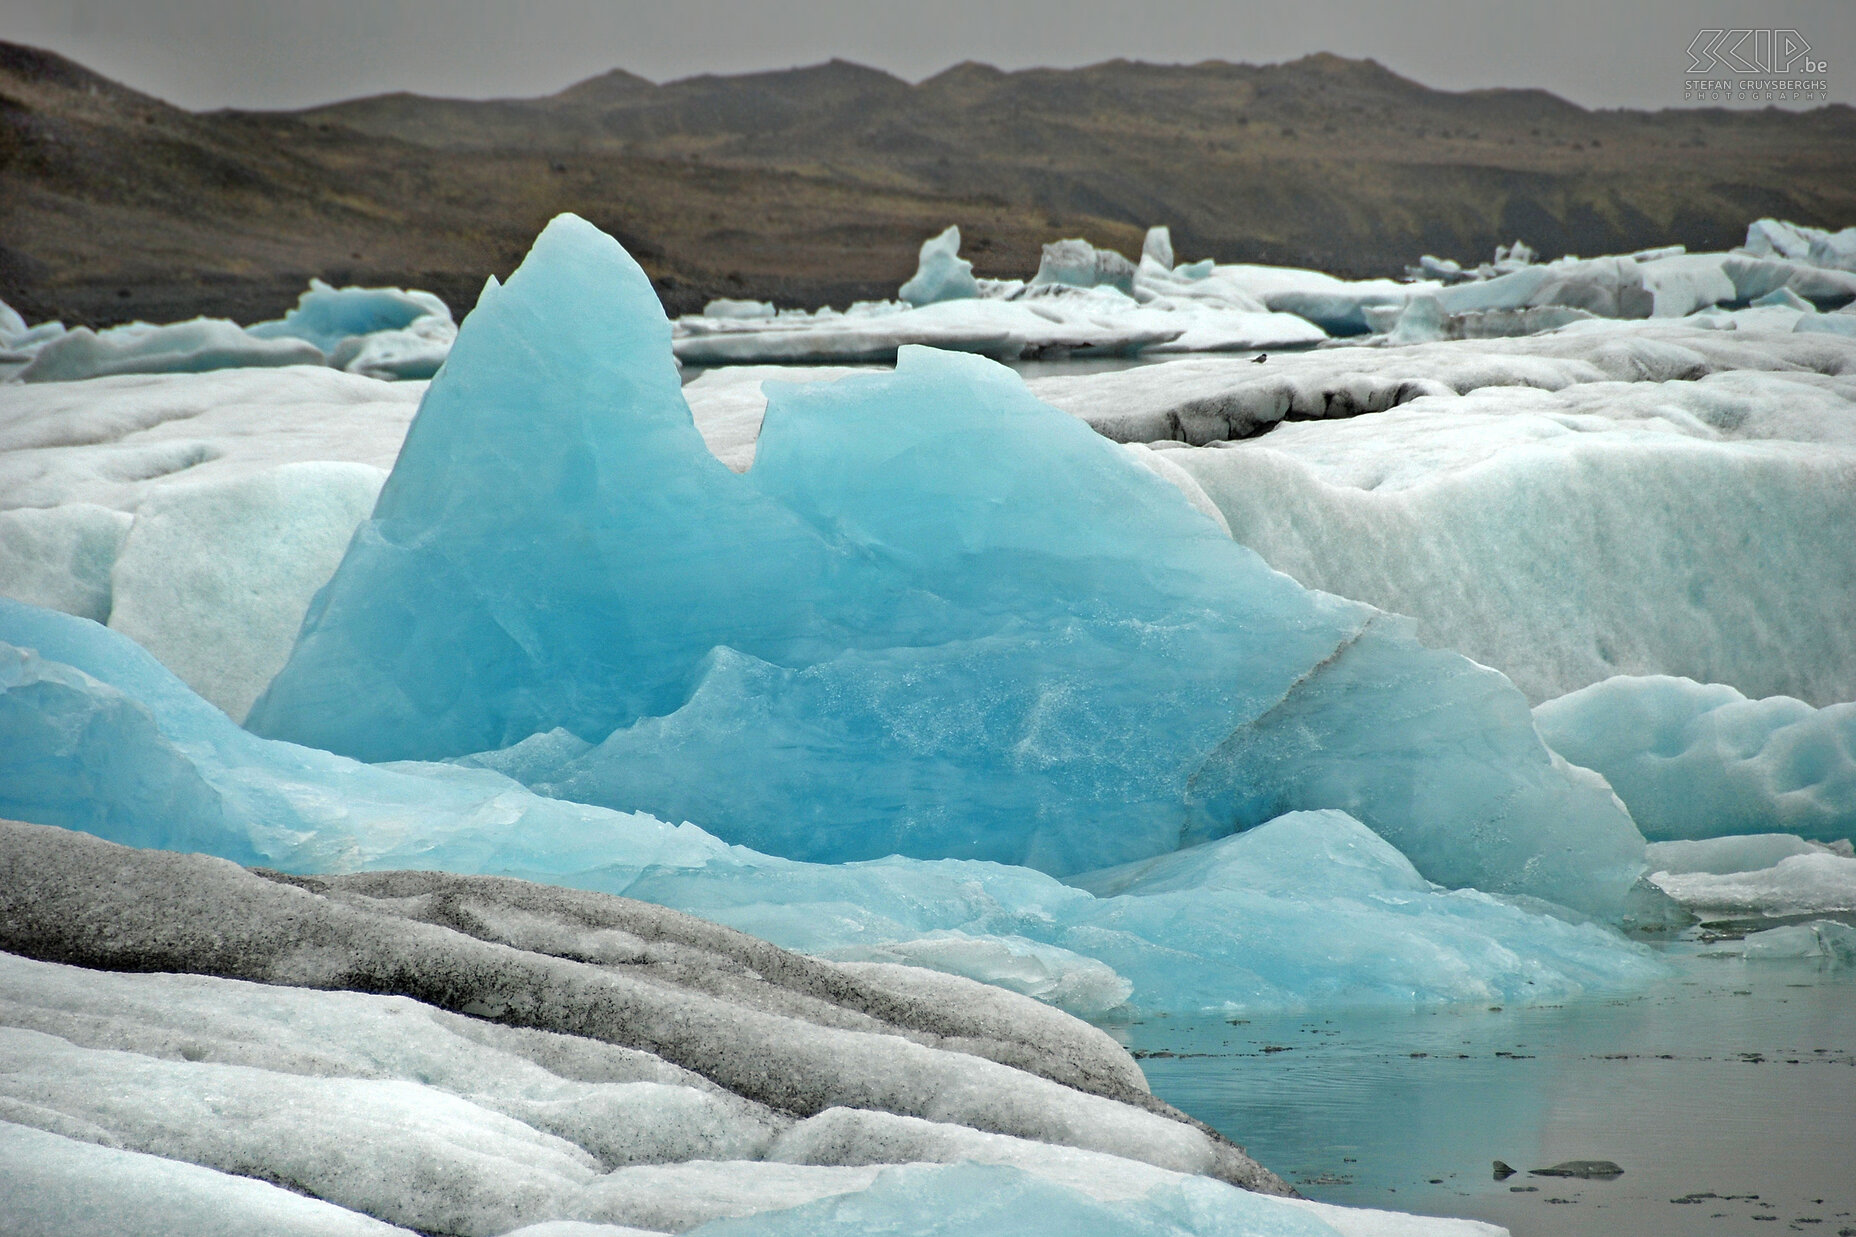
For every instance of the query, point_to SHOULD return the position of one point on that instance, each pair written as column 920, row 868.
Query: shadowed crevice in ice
column 691, row 996
column 938, row 618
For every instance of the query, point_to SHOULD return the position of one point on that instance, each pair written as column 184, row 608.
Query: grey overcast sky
column 290, row 53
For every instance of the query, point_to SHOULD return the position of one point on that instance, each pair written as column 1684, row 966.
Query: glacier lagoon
column 1726, row 1092
column 1119, row 942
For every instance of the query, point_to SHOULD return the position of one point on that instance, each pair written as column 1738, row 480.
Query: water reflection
column 1732, row 1085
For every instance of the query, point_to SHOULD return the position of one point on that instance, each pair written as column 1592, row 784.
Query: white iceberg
column 1694, row 760
column 941, row 274
column 183, row 347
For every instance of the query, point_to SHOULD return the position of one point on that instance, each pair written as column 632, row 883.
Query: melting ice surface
column 936, row 619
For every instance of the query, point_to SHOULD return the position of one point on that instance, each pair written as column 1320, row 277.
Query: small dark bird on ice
column 1259, row 358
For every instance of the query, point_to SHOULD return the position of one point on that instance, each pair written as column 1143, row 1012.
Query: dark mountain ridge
column 815, row 185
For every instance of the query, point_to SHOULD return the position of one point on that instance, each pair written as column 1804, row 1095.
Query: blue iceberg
column 937, row 619
column 327, row 316
column 1309, row 908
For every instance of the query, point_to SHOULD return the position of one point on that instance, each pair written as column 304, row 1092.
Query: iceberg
column 937, row 618
column 942, row 274
column 244, row 555
column 1086, row 325
column 100, row 737
column 1698, row 760
column 62, row 556
column 1726, row 855
column 1075, row 263
column 1825, row 939
column 329, row 317
column 1483, row 494
column 1157, row 249
column 1767, row 238
column 19, row 343
column 182, row 347
column 1811, row 884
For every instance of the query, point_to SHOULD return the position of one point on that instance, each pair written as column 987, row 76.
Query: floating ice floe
column 936, row 618
column 19, row 343
column 1695, row 760
column 1770, row 875
column 1828, row 940
column 378, row 332
column 1082, row 302
column 180, row 347
column 329, row 317
column 1688, row 435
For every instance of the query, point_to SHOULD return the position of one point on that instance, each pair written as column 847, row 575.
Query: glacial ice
column 979, row 1200
column 941, row 274
column 151, row 764
column 275, row 538
column 1076, row 263
column 728, row 404
column 1395, row 513
column 1085, row 302
column 328, row 317
column 1827, row 939
column 1766, row 238
column 532, row 1115
column 377, row 332
column 1808, row 884
column 775, row 1029
column 58, row 1186
column 1157, row 248
column 1695, row 760
column 414, row 352
column 1085, row 325
column 1743, row 852
column 1492, row 516
column 62, row 556
column 181, row 347
column 248, row 483
column 908, row 636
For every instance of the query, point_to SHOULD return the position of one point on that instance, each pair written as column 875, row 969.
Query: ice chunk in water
column 1735, row 853
column 936, row 618
column 326, row 316
column 942, row 274
column 1158, row 248
column 1698, row 760
column 1076, row 263
column 181, row 347
column 1821, row 938
column 1796, row 885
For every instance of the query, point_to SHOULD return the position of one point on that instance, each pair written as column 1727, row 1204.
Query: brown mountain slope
column 814, row 185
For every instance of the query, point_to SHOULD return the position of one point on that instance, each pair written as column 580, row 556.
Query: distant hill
column 815, row 185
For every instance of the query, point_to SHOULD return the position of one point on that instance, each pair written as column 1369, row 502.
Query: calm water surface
column 1727, row 1094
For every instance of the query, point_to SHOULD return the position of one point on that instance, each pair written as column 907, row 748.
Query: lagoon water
column 1726, row 1093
